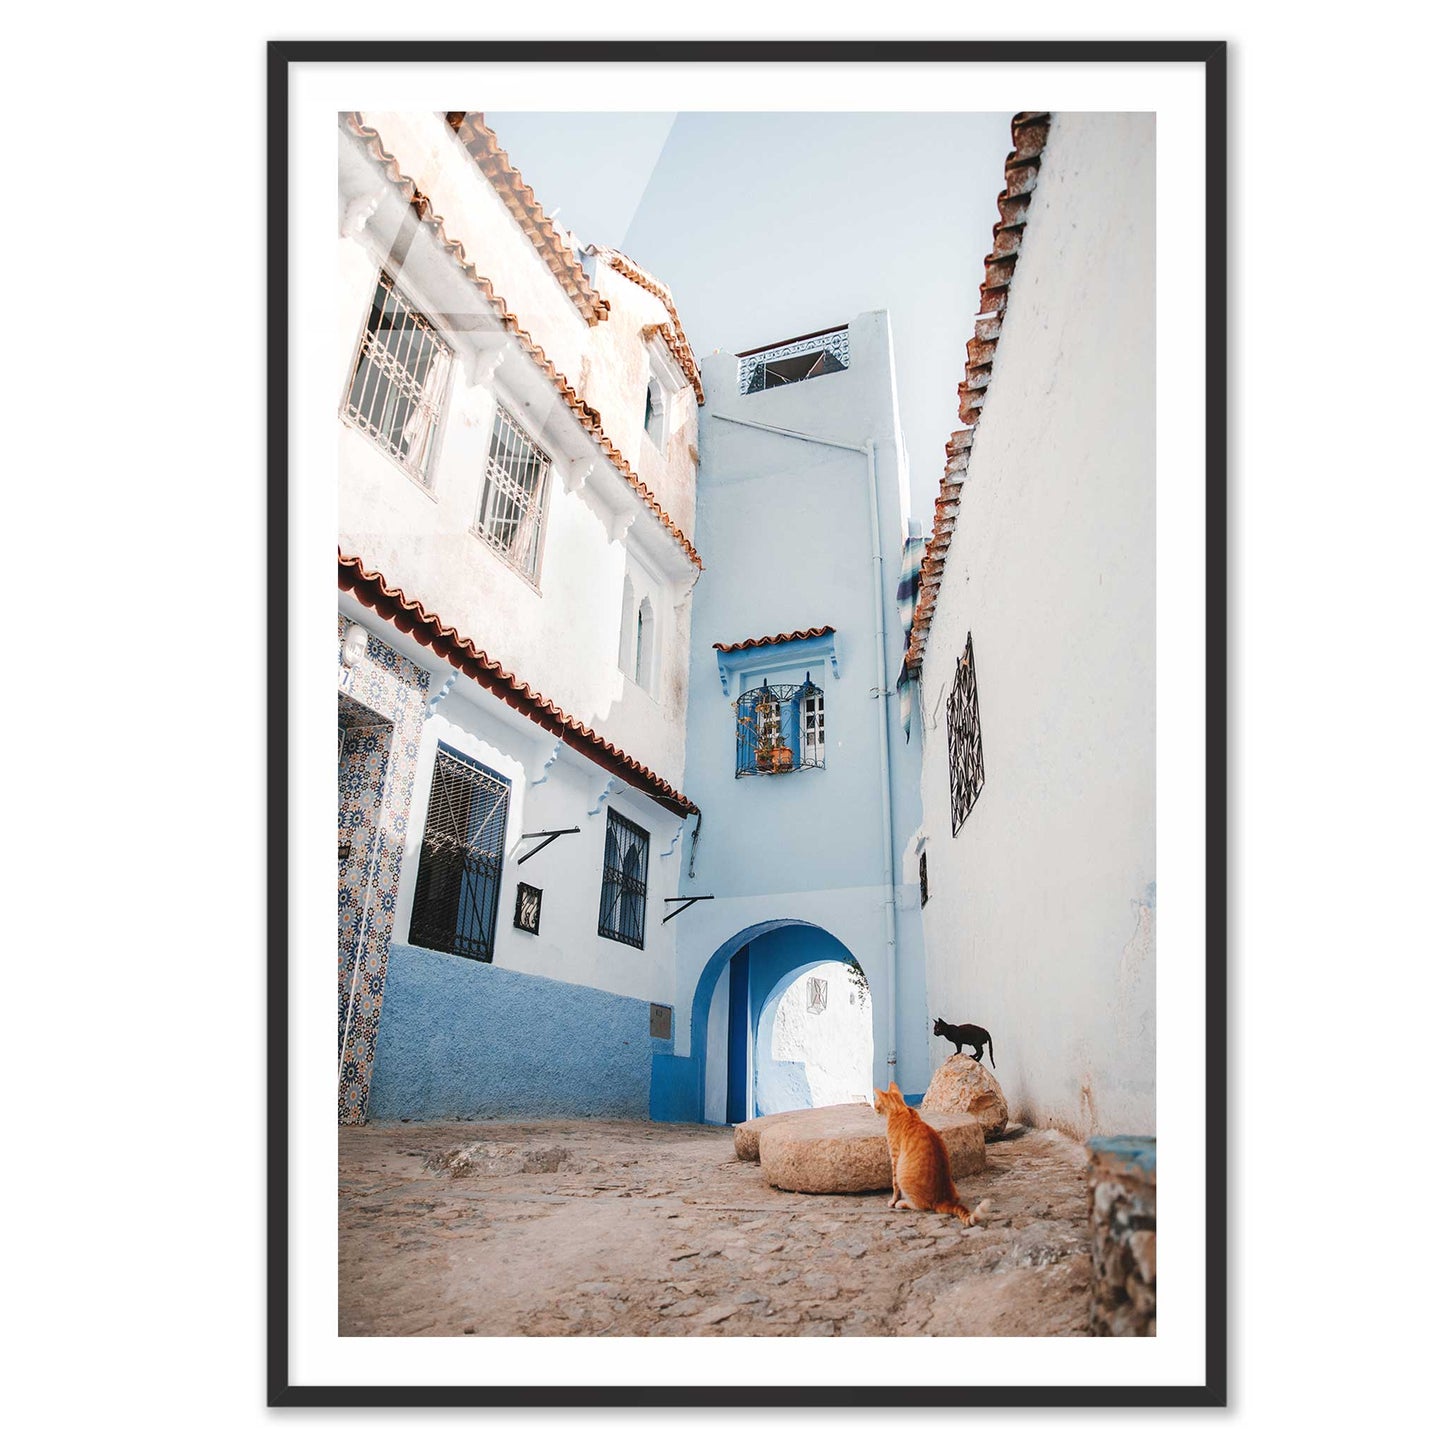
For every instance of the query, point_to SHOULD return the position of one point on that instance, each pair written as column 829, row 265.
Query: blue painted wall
column 786, row 528
column 461, row 1039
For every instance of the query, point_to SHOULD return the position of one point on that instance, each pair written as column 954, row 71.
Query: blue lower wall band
column 463, row 1039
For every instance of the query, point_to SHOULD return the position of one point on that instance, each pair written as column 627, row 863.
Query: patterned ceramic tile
column 381, row 704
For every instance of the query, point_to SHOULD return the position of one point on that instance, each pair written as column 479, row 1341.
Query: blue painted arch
column 776, row 952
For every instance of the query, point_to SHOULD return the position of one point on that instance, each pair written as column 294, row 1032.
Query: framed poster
column 823, row 444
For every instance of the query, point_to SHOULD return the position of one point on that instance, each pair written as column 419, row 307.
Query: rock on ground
column 963, row 1086
column 844, row 1149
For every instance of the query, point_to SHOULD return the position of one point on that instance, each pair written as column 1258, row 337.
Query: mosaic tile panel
column 381, row 705
column 360, row 785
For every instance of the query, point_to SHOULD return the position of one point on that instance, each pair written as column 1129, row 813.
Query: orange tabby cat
column 920, row 1162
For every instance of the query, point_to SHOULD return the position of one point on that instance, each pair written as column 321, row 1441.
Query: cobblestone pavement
column 582, row 1227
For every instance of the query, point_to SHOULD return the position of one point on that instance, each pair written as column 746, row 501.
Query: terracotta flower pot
column 775, row 760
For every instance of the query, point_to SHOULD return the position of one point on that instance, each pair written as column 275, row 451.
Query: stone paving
column 587, row 1227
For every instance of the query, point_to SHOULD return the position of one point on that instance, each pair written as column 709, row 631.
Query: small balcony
column 780, row 728
column 799, row 359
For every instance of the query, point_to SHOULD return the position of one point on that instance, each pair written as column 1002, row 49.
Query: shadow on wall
column 783, row 1085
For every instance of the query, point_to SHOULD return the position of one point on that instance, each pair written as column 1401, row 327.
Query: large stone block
column 843, row 1149
column 745, row 1135
column 963, row 1086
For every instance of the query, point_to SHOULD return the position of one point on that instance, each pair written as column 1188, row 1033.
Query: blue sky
column 768, row 225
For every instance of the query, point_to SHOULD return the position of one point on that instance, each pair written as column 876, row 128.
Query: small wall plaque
column 661, row 1021
column 528, row 916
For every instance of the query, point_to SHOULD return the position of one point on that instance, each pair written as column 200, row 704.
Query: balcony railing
column 800, row 359
column 779, row 728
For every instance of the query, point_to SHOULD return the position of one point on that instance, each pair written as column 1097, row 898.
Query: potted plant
column 773, row 754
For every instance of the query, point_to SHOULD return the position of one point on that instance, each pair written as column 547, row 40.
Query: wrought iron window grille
column 965, row 739
column 514, row 495
column 798, row 360
column 817, row 995
column 398, row 382
column 780, row 728
column 459, row 876
column 622, row 913
column 922, row 879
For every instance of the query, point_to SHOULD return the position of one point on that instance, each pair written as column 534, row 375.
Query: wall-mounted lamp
column 353, row 644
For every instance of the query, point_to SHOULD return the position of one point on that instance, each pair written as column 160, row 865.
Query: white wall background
column 1040, row 920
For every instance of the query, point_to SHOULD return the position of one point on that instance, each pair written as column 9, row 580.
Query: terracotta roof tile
column 776, row 637
column 1021, row 173
column 586, row 415
column 676, row 339
column 390, row 603
column 483, row 147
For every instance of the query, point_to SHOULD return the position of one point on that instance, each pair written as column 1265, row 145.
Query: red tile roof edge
column 579, row 408
column 677, row 343
column 777, row 637
column 484, row 148
column 1030, row 132
column 394, row 606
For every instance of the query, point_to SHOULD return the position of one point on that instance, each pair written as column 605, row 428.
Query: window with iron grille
column 623, row 910
column 922, row 879
column 965, row 740
column 459, row 877
column 399, row 381
column 779, row 728
column 514, row 494
column 817, row 995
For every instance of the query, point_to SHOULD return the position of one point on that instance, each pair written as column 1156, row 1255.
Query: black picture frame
column 529, row 899
column 279, row 1389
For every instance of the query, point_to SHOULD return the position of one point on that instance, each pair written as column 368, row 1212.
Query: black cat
column 960, row 1034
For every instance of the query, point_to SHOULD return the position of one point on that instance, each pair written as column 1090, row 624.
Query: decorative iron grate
column 780, row 728
column 923, row 879
column 510, row 520
column 817, row 995
column 965, row 739
column 622, row 914
column 399, row 380
column 459, row 876
column 797, row 360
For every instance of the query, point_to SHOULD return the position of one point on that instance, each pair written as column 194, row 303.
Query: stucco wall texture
column 1040, row 921
column 809, row 1059
column 551, row 1049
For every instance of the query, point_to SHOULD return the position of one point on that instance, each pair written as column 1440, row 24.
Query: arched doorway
column 815, row 1040
column 747, row 975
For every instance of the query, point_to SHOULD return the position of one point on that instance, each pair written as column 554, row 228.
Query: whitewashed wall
column 808, row 1060
column 560, row 632
column 1040, row 924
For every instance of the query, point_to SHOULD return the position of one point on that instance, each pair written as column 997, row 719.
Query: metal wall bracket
column 686, row 904
column 550, row 834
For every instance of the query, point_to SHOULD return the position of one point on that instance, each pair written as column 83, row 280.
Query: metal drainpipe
column 890, row 908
